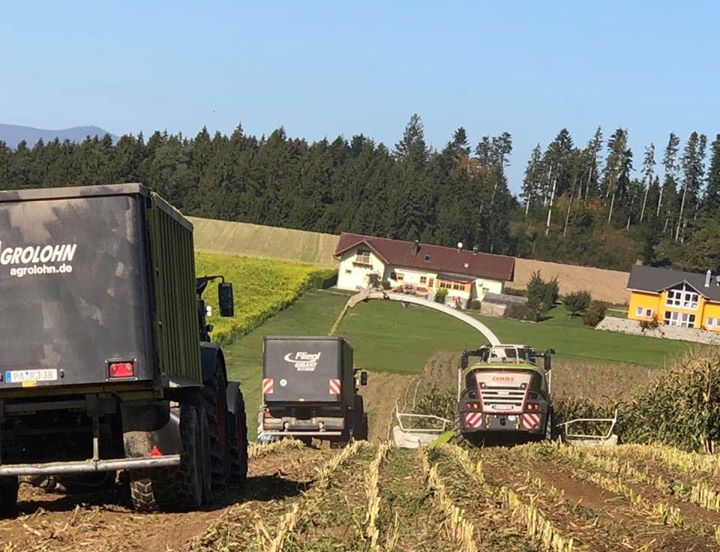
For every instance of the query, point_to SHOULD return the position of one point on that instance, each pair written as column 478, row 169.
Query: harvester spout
column 415, row 300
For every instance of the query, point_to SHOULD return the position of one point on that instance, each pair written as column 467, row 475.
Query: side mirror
column 363, row 378
column 225, row 299
column 547, row 359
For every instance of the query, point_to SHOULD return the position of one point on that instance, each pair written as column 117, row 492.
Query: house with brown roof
column 424, row 269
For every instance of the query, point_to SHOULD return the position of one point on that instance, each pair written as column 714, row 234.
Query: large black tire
column 8, row 496
column 362, row 433
column 360, row 427
column 459, row 438
column 237, row 431
column 550, row 430
column 177, row 488
column 216, row 407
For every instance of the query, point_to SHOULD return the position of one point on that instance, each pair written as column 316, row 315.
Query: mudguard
column 150, row 429
column 211, row 360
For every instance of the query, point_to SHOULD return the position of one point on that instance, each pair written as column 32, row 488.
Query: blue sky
column 328, row 68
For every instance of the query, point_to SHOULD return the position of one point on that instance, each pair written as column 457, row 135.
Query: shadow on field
column 261, row 488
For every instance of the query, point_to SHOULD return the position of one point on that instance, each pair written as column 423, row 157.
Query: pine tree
column 617, row 168
column 648, row 171
column 592, row 151
column 711, row 201
column 668, row 191
column 531, row 182
column 693, row 169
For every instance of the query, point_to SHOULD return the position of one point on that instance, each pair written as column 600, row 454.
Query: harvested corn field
column 371, row 497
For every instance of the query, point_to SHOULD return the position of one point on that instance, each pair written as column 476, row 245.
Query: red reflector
column 122, row 370
column 155, row 451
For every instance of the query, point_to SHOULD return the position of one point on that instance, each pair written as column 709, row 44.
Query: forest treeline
column 594, row 203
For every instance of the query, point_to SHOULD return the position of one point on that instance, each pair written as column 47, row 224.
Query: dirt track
column 104, row 521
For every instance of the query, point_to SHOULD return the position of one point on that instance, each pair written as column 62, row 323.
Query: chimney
column 416, row 248
column 708, row 278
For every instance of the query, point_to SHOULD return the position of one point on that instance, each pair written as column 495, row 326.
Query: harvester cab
column 504, row 391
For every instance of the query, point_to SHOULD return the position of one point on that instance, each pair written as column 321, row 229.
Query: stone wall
column 492, row 309
column 622, row 325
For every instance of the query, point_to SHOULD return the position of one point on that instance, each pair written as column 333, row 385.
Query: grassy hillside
column 262, row 288
column 252, row 240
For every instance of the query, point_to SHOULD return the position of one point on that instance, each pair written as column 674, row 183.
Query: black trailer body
column 101, row 360
column 317, row 370
column 310, row 388
column 87, row 286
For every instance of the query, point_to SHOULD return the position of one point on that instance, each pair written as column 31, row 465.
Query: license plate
column 22, row 376
column 502, row 407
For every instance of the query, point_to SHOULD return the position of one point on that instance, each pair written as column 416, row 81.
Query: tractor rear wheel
column 179, row 487
column 216, row 407
column 8, row 496
column 237, row 432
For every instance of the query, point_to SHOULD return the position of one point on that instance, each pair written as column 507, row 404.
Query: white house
column 422, row 268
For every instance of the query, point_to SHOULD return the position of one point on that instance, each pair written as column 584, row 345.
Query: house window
column 713, row 322
column 431, row 282
column 423, row 279
column 362, row 256
column 682, row 320
column 642, row 311
column 348, row 271
column 682, row 297
column 399, row 276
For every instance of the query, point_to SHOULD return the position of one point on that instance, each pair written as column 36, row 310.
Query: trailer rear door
column 303, row 369
column 73, row 291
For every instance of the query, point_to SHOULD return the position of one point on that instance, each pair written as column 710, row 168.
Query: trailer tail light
column 117, row 370
column 533, row 406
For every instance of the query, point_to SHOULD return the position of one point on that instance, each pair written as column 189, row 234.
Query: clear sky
column 328, row 68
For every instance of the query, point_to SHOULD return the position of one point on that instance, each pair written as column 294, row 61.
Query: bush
column 595, row 313
column 441, row 295
column 651, row 324
column 520, row 312
column 474, row 304
column 552, row 292
column 515, row 292
column 262, row 288
column 577, row 302
column 386, row 284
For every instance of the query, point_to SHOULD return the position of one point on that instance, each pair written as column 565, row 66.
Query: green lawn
column 387, row 336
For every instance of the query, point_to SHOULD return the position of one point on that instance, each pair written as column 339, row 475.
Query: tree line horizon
column 578, row 204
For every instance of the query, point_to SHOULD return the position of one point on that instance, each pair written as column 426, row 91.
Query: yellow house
column 674, row 298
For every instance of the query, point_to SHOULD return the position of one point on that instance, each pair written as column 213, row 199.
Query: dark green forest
column 596, row 203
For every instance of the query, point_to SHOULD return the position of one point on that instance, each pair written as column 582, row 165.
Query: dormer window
column 362, row 257
column 427, row 258
column 684, row 297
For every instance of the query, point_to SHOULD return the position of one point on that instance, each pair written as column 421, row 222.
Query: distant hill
column 12, row 135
